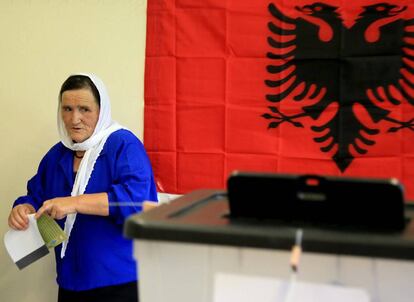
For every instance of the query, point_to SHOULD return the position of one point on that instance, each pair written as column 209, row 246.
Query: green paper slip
column 50, row 231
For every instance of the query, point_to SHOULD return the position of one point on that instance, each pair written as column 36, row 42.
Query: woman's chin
column 78, row 140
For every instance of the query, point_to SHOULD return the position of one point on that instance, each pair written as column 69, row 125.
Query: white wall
column 42, row 42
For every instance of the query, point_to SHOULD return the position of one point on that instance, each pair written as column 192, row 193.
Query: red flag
column 321, row 87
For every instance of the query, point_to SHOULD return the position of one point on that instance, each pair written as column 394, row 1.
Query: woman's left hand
column 59, row 207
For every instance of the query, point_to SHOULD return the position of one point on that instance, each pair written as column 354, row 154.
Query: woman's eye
column 67, row 109
column 83, row 109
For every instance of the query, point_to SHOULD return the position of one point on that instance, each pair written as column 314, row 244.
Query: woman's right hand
column 18, row 219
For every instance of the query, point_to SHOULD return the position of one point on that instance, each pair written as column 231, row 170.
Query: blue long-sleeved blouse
column 97, row 254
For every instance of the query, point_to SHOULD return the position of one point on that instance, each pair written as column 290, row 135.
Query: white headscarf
column 93, row 147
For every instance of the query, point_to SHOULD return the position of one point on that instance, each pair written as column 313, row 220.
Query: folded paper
column 29, row 245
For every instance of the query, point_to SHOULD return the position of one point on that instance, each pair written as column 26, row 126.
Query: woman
column 95, row 177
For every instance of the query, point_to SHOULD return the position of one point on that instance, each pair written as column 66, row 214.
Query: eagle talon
column 408, row 124
column 283, row 118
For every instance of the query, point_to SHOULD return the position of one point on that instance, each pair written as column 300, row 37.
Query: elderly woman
column 86, row 178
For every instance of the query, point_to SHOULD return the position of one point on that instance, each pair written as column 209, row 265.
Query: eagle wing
column 397, row 82
column 303, row 67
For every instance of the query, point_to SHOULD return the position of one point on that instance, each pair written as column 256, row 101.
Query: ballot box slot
column 197, row 205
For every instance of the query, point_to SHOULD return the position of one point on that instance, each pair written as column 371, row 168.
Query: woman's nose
column 76, row 117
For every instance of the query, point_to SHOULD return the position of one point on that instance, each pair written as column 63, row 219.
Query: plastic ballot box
column 193, row 250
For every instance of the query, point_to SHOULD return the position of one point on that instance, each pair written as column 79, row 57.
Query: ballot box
column 190, row 249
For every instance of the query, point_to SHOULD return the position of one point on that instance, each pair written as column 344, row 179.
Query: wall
column 41, row 43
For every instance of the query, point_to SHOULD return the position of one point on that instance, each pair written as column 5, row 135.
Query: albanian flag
column 316, row 87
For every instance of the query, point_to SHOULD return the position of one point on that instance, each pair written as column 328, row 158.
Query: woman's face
column 80, row 113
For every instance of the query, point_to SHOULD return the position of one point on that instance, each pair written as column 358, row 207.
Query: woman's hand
column 18, row 216
column 59, row 207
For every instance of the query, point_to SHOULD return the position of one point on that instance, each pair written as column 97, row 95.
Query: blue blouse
column 97, row 254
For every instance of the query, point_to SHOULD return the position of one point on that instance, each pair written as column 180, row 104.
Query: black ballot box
column 182, row 247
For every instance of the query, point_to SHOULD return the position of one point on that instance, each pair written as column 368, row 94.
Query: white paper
column 21, row 243
column 241, row 288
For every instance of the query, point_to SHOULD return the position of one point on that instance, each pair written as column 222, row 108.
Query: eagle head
column 318, row 9
column 382, row 10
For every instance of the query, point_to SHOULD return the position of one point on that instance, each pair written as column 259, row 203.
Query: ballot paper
column 242, row 288
column 27, row 246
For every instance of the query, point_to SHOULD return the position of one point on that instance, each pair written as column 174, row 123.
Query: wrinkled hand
column 58, row 208
column 18, row 219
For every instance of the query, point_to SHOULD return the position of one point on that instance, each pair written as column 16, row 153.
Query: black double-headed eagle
column 317, row 61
